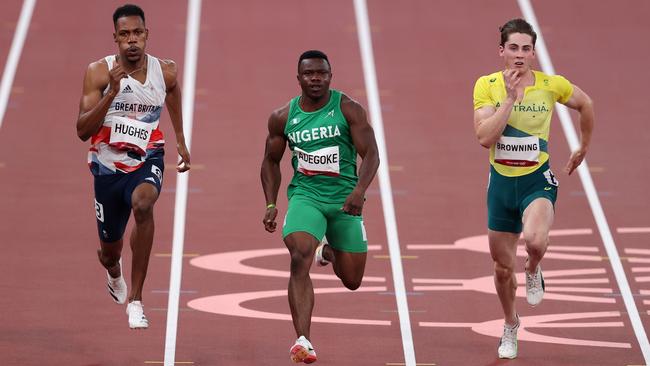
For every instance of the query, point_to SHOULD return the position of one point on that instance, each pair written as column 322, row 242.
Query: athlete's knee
column 352, row 283
column 503, row 272
column 142, row 209
column 301, row 257
column 536, row 242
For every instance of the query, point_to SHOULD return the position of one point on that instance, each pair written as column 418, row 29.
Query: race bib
column 130, row 134
column 323, row 161
column 517, row 151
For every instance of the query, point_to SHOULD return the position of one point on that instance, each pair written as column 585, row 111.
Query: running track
column 428, row 55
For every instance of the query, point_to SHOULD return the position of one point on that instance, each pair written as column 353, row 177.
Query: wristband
column 270, row 205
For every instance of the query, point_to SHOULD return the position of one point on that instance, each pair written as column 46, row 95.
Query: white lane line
column 14, row 55
column 592, row 195
column 370, row 77
column 180, row 205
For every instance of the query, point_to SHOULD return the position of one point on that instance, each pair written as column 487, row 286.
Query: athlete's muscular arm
column 489, row 122
column 270, row 173
column 581, row 102
column 173, row 102
column 363, row 137
column 93, row 106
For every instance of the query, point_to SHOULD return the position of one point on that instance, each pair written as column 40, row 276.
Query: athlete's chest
column 315, row 130
column 534, row 108
column 133, row 92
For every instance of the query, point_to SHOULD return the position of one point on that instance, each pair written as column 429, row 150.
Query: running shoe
column 302, row 351
column 137, row 320
column 117, row 287
column 508, row 342
column 535, row 287
column 318, row 257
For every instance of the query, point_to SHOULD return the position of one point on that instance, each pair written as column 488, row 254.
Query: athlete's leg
column 348, row 246
column 112, row 216
column 109, row 256
column 538, row 218
column 301, row 247
column 503, row 248
column 143, row 199
column 349, row 267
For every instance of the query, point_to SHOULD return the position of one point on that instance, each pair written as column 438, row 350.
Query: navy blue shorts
column 113, row 197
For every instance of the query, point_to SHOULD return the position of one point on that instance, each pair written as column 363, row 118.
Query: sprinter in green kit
column 325, row 130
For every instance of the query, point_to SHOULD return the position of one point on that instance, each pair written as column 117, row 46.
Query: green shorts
column 344, row 232
column 508, row 197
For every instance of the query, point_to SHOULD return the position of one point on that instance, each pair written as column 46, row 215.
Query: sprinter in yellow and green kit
column 325, row 130
column 512, row 118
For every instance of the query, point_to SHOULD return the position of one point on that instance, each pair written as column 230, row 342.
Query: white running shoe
column 117, row 287
column 535, row 287
column 302, row 351
column 137, row 320
column 508, row 343
column 318, row 256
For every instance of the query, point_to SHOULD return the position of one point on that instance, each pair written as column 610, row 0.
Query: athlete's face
column 314, row 76
column 131, row 37
column 518, row 52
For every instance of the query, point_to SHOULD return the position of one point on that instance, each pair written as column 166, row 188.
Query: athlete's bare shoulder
column 352, row 110
column 170, row 72
column 168, row 65
column 97, row 74
column 278, row 118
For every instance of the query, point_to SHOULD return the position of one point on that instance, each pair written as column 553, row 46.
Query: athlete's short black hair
column 516, row 26
column 127, row 10
column 313, row 54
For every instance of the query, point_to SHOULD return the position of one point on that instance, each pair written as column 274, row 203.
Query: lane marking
column 165, row 309
column 380, row 256
column 180, row 204
column 14, row 55
column 175, row 363
column 633, row 230
column 185, row 255
column 195, row 166
column 370, row 79
column 402, row 364
column 181, row 291
column 590, row 189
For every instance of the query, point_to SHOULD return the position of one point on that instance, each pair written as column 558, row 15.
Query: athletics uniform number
column 322, row 161
column 550, row 178
column 130, row 134
column 99, row 211
column 517, row 151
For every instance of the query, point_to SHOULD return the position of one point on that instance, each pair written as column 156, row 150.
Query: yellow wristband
column 270, row 205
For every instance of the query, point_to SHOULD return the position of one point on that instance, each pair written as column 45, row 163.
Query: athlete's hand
column 575, row 160
column 269, row 219
column 184, row 163
column 511, row 78
column 354, row 203
column 116, row 74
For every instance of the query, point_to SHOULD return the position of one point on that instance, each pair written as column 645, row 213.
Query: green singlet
column 325, row 173
column 324, row 157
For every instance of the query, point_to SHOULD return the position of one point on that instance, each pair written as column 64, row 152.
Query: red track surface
column 428, row 55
